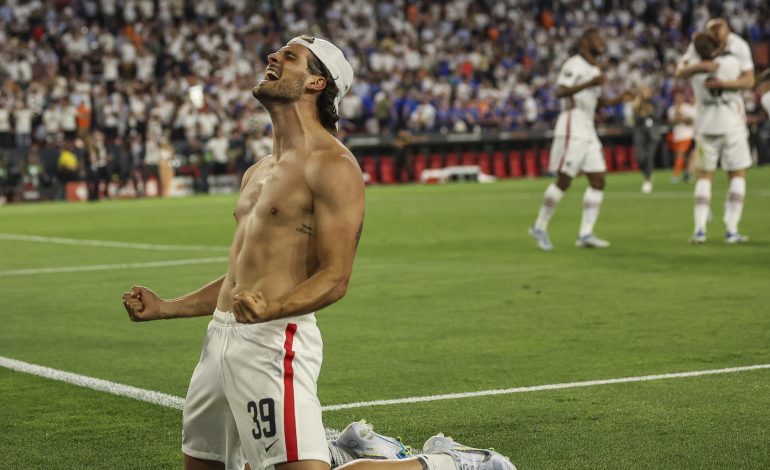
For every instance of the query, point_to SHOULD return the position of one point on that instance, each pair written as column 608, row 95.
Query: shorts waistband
column 228, row 319
column 224, row 318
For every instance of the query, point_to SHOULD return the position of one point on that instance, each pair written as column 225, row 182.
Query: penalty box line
column 110, row 244
column 177, row 403
column 112, row 267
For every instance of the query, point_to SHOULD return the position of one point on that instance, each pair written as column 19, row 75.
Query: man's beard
column 597, row 51
column 280, row 92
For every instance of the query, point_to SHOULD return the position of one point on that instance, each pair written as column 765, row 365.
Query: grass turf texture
column 449, row 294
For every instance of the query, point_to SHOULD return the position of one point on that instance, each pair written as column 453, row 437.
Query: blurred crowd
column 144, row 74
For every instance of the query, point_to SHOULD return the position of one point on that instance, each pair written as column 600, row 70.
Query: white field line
column 109, row 244
column 539, row 388
column 109, row 267
column 177, row 403
column 149, row 396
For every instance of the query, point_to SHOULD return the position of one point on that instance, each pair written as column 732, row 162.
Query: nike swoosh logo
column 267, row 448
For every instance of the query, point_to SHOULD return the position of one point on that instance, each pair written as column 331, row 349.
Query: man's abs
column 273, row 249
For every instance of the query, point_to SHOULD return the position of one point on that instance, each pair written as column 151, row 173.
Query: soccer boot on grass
column 734, row 237
column 360, row 440
column 541, row 237
column 591, row 241
column 698, row 238
column 467, row 458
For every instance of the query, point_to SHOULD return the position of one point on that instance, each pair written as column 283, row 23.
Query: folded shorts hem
column 306, row 456
column 202, row 455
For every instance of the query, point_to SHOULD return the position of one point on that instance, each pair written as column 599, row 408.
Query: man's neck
column 295, row 127
column 586, row 54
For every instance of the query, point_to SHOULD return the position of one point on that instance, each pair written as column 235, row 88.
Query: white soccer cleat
column 541, row 237
column 734, row 237
column 698, row 238
column 362, row 442
column 647, row 187
column 591, row 241
column 467, row 458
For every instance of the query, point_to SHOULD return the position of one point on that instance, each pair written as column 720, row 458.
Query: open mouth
column 271, row 75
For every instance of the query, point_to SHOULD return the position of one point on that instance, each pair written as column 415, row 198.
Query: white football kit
column 576, row 146
column 736, row 46
column 720, row 122
column 253, row 397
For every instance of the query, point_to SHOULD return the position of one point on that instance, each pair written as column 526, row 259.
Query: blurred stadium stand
column 438, row 83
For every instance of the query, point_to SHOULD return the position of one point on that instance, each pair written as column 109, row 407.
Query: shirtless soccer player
column 576, row 147
column 252, row 397
column 719, row 70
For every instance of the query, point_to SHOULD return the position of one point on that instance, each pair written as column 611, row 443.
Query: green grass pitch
column 449, row 294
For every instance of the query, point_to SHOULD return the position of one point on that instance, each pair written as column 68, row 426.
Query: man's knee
column 192, row 463
column 563, row 181
column 303, row 465
column 596, row 180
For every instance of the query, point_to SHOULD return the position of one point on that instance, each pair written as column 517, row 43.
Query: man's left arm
column 624, row 97
column 744, row 82
column 338, row 201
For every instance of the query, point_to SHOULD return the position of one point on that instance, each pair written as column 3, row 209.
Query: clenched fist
column 142, row 304
column 249, row 307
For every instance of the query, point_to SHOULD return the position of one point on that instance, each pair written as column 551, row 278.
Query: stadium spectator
column 646, row 134
column 474, row 64
column 217, row 149
column 681, row 116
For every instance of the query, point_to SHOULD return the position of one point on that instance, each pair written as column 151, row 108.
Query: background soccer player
column 722, row 135
column 576, row 147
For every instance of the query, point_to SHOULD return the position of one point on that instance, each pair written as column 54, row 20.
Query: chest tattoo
column 306, row 229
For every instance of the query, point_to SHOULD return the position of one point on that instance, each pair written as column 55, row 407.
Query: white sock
column 551, row 199
column 702, row 204
column 438, row 461
column 592, row 202
column 734, row 203
column 339, row 456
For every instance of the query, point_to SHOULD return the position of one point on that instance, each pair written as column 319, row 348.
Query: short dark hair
column 327, row 108
column 704, row 45
column 590, row 31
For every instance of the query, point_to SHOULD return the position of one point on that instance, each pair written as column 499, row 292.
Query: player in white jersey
column 576, row 147
column 722, row 135
column 691, row 63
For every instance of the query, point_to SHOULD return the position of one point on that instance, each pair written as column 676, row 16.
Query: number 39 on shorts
column 264, row 417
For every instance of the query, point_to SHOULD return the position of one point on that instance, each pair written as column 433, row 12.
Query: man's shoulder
column 253, row 168
column 332, row 153
column 734, row 40
column 333, row 162
column 573, row 61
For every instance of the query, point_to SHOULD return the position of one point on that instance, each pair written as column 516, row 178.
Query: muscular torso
column 273, row 249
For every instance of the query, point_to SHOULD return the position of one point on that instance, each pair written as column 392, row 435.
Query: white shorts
column 571, row 155
column 731, row 151
column 252, row 396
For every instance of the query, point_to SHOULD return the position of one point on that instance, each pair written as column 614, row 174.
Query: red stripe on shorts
column 289, row 421
column 566, row 140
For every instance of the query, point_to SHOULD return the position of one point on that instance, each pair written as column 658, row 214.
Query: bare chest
column 275, row 193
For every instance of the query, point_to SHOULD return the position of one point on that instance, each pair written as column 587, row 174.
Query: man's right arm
column 564, row 91
column 142, row 304
column 685, row 70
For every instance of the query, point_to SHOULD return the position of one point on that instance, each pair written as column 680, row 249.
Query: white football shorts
column 731, row 151
column 253, row 397
column 571, row 155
